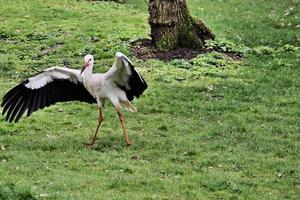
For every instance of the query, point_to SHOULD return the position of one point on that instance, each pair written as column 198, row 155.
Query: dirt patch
column 48, row 50
column 144, row 49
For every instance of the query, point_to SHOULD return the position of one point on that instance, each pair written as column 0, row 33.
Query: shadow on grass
column 12, row 191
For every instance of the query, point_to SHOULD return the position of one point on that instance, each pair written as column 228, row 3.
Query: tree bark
column 173, row 27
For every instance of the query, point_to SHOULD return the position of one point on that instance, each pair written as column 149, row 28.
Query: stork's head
column 88, row 61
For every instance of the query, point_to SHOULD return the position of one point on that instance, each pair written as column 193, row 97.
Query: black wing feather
column 12, row 93
column 9, row 100
column 20, row 98
column 38, row 100
column 23, row 108
column 32, row 103
column 137, row 84
column 17, row 108
column 9, row 107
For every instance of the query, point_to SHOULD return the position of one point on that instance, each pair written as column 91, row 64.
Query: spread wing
column 126, row 77
column 55, row 84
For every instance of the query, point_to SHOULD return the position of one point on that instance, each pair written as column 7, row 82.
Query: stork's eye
column 90, row 59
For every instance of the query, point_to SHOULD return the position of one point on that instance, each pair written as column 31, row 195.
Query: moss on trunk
column 172, row 26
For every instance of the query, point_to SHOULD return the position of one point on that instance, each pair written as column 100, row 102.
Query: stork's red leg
column 100, row 119
column 122, row 121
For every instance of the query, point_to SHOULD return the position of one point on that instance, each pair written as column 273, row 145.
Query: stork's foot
column 89, row 144
column 128, row 143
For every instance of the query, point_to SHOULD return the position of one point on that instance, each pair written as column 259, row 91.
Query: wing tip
column 123, row 57
column 119, row 54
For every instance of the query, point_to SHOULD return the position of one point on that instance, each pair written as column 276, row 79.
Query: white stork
column 120, row 84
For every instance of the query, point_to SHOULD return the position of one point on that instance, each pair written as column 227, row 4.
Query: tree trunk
column 173, row 27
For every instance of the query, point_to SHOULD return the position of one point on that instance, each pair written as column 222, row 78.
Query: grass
column 209, row 128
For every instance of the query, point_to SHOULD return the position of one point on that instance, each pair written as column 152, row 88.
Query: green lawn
column 208, row 128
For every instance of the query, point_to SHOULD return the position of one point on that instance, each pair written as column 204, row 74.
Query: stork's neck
column 88, row 71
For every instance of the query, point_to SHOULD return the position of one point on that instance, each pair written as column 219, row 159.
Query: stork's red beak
column 83, row 67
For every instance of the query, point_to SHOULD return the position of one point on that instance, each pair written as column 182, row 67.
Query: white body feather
column 104, row 86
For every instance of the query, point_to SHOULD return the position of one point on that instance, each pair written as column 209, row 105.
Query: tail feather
column 128, row 106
